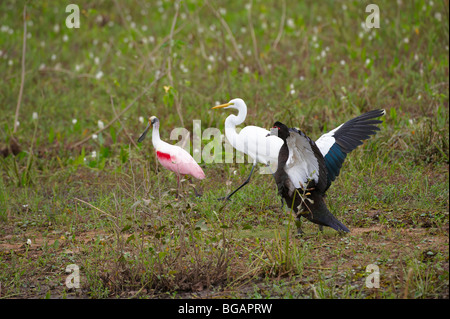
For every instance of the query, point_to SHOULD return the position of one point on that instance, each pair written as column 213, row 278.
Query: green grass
column 106, row 205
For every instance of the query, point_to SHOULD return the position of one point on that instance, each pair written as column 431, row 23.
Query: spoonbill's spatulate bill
column 251, row 140
column 307, row 168
column 172, row 157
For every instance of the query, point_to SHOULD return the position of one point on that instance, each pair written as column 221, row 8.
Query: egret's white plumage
column 251, row 140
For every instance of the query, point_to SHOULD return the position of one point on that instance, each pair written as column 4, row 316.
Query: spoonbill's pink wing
column 177, row 160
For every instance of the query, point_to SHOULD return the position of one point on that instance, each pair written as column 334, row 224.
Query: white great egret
column 172, row 157
column 307, row 168
column 251, row 140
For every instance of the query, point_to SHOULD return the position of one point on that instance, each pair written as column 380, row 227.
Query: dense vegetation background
column 76, row 188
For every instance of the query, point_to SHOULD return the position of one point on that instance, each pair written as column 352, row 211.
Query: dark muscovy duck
column 307, row 168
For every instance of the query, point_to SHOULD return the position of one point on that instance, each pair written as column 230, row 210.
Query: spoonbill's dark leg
column 243, row 184
column 178, row 185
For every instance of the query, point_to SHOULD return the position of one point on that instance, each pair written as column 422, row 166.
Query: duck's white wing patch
column 302, row 164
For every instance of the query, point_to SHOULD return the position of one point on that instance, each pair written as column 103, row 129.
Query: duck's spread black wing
column 336, row 144
column 305, row 162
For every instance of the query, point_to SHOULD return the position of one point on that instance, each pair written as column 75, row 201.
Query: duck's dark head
column 280, row 130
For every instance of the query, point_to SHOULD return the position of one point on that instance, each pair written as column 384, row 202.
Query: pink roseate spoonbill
column 306, row 168
column 172, row 157
column 251, row 140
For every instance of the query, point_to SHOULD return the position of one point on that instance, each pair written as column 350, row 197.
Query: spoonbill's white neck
column 156, row 140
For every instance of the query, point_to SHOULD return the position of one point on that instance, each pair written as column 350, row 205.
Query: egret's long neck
column 230, row 125
column 156, row 140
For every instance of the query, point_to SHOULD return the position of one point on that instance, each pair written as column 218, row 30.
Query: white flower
column 229, row 59
column 246, row 69
column 97, row 60
column 99, row 75
column 74, row 121
column 301, row 78
column 290, row 23
column 94, row 154
column 28, row 241
column 100, row 124
column 35, row 116
column 292, row 92
column 42, row 66
column 217, row 103
column 243, row 29
column 438, row 16
column 342, row 62
column 94, row 136
column 56, row 28
column 141, row 119
column 406, row 40
column 10, row 62
column 151, row 39
column 222, row 11
column 17, row 123
column 367, row 61
column 65, row 38
column 144, row 28
column 53, row 57
column 77, row 67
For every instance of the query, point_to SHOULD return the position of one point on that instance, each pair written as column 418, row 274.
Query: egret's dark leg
column 243, row 184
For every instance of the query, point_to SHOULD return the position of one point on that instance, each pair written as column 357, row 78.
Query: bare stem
column 22, row 81
column 280, row 31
